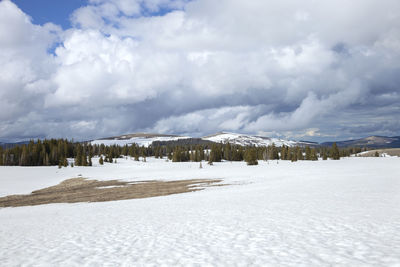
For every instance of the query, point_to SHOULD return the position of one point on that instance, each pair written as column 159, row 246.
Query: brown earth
column 389, row 151
column 83, row 190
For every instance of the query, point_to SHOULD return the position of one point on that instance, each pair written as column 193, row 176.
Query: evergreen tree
column 84, row 161
column 308, row 153
column 335, row 155
column 293, row 154
column 177, row 155
column 227, row 152
column 283, row 153
column 78, row 157
column 324, row 155
column 250, row 156
column 299, row 153
column 101, row 161
column 313, row 155
column 215, row 153
column 273, row 152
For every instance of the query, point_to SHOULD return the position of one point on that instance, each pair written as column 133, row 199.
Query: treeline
column 252, row 154
column 58, row 151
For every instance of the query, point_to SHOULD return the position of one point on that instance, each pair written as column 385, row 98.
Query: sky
column 303, row 70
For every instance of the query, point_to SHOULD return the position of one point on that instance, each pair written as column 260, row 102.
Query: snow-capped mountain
column 146, row 139
column 142, row 139
column 251, row 140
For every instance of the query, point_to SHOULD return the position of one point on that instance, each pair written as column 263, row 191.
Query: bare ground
column 83, row 190
column 389, row 151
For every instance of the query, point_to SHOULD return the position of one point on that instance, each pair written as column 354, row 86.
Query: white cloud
column 199, row 66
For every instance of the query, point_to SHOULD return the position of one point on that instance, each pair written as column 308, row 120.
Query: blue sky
column 56, row 11
column 318, row 71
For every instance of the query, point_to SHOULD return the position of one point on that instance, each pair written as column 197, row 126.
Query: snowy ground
column 324, row 213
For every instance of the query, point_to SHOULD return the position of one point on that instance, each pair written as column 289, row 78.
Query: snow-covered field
column 324, row 213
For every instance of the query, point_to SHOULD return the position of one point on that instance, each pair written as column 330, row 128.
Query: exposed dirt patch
column 389, row 151
column 83, row 190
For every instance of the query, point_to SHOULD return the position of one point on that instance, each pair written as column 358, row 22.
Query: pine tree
column 84, row 161
column 324, row 155
column 273, row 152
column 313, row 154
column 177, row 154
column 78, row 158
column 308, row 153
column 101, row 161
column 250, row 156
column 299, row 153
column 283, row 153
column 228, row 152
column 293, row 154
column 216, row 153
column 335, row 155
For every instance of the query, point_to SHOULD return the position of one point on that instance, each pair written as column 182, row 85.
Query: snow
column 233, row 138
column 141, row 141
column 323, row 213
column 248, row 140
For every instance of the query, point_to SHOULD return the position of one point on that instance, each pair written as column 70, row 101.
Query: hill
column 142, row 139
column 371, row 142
column 252, row 140
column 146, row 139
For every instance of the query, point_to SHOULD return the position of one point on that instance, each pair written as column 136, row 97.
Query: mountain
column 371, row 141
column 146, row 139
column 142, row 139
column 11, row 145
column 252, row 140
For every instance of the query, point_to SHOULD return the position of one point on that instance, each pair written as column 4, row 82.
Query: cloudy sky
column 306, row 70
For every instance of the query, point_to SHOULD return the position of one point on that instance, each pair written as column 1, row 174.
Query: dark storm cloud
column 298, row 70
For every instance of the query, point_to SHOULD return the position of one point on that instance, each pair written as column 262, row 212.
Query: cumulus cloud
column 288, row 68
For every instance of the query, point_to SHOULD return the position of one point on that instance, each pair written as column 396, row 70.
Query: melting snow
column 322, row 213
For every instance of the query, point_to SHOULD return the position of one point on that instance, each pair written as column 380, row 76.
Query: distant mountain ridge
column 371, row 141
column 139, row 135
column 11, row 145
column 146, row 139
